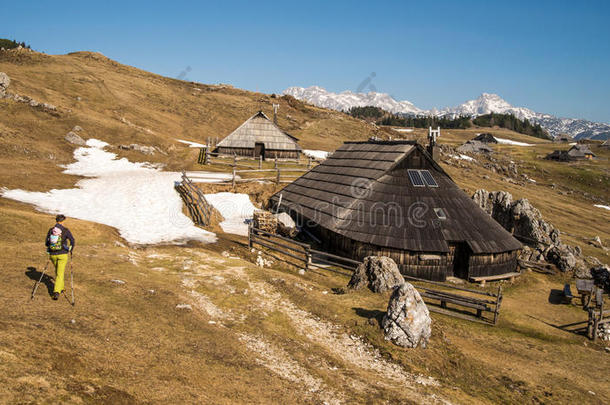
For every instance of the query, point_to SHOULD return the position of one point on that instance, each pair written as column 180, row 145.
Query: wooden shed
column 390, row 198
column 259, row 136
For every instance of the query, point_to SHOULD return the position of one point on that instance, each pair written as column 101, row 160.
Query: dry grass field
column 256, row 335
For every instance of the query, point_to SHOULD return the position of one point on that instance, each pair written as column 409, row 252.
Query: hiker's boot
column 56, row 296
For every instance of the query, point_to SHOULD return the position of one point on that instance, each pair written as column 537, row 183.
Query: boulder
column 74, row 139
column 265, row 221
column 407, row 321
column 286, row 225
column 378, row 273
column 5, row 81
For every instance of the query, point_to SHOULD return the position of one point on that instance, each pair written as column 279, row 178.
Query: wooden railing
column 196, row 204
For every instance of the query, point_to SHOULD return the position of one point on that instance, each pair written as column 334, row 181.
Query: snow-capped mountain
column 485, row 104
column 345, row 100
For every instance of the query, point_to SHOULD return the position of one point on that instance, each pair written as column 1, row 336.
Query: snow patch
column 316, row 154
column 192, row 144
column 236, row 209
column 509, row 142
column 136, row 198
column 606, row 207
column 463, row 157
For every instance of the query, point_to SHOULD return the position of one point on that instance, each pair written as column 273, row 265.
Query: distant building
column 560, row 156
column 581, row 152
column 563, row 138
column 259, row 136
column 485, row 137
column 474, row 146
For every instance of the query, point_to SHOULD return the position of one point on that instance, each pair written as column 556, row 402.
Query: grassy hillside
column 256, row 335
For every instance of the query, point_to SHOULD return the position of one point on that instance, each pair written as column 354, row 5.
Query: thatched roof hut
column 485, row 137
column 259, row 136
column 390, row 198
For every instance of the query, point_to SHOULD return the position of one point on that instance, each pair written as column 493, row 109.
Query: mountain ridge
column 486, row 103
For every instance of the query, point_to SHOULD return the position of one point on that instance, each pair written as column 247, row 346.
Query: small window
column 440, row 213
column 416, row 179
column 427, row 176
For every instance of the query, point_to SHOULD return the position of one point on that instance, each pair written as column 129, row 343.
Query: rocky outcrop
column 5, row 81
column 378, row 273
column 526, row 223
column 74, row 139
column 407, row 322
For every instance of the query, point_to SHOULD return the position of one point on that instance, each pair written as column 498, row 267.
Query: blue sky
column 551, row 56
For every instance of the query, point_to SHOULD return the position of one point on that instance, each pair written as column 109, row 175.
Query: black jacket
column 66, row 236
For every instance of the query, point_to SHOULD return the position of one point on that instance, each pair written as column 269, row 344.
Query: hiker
column 59, row 243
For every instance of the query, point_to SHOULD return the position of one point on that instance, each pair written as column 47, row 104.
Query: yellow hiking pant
column 59, row 261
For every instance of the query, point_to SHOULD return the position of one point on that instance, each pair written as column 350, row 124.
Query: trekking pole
column 39, row 280
column 71, row 280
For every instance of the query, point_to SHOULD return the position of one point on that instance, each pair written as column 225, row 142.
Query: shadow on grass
column 47, row 280
column 370, row 313
column 577, row 328
column 556, row 297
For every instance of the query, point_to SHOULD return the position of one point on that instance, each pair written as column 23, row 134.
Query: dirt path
column 358, row 365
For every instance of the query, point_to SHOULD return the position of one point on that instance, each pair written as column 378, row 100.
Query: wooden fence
column 196, row 204
column 465, row 299
column 597, row 315
column 301, row 254
column 207, row 157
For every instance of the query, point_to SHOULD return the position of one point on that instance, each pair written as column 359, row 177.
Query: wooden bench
column 585, row 289
column 483, row 279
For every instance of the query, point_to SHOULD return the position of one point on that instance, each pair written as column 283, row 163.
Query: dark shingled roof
column 363, row 192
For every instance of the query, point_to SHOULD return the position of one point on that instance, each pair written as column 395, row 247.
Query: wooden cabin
column 581, row 152
column 389, row 198
column 259, row 136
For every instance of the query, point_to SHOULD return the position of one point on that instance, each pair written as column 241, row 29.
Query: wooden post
column 260, row 162
column 309, row 162
column 233, row 176
column 234, row 160
column 307, row 258
column 275, row 163
column 277, row 180
column 250, row 235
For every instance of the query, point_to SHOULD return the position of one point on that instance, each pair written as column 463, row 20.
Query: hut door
column 259, row 149
column 460, row 261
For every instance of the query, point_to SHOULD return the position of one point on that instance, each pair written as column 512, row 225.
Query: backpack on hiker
column 55, row 240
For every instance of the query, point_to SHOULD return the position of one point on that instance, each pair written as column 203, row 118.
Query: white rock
column 186, row 307
column 117, row 281
column 407, row 321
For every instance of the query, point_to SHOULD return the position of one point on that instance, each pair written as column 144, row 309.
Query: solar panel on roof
column 427, row 176
column 416, row 179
